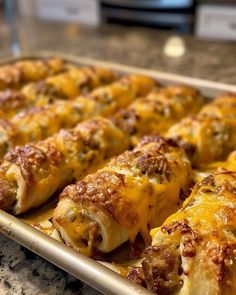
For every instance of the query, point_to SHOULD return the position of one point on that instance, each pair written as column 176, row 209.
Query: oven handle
column 161, row 4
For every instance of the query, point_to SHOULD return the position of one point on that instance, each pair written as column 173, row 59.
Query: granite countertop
column 132, row 46
column 22, row 272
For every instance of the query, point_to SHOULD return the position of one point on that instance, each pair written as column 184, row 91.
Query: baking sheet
column 86, row 269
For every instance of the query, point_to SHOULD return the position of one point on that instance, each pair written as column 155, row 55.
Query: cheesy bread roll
column 7, row 133
column 29, row 175
column 228, row 98
column 158, row 111
column 39, row 123
column 223, row 107
column 194, row 252
column 67, row 85
column 11, row 102
column 134, row 192
column 16, row 74
column 206, row 139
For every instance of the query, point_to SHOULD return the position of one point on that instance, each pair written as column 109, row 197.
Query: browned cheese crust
column 137, row 189
column 37, row 170
column 194, row 251
column 223, row 107
column 16, row 74
column 55, row 86
column 211, row 134
column 29, row 126
column 206, row 139
column 159, row 111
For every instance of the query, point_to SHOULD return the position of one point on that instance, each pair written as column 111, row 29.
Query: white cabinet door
column 81, row 11
column 216, row 21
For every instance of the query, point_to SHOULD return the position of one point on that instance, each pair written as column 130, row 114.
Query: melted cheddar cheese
column 38, row 170
column 18, row 73
column 157, row 112
column 210, row 135
column 206, row 139
column 136, row 190
column 29, row 127
column 196, row 244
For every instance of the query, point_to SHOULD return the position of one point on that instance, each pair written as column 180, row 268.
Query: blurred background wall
column 209, row 19
column 27, row 25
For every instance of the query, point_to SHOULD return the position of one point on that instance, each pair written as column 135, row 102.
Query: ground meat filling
column 162, row 269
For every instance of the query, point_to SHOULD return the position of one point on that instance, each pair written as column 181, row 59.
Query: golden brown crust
column 210, row 135
column 11, row 98
column 102, row 187
column 40, row 169
column 80, row 80
column 31, row 158
column 56, row 85
column 7, row 194
column 10, row 76
column 206, row 139
column 105, row 100
column 158, row 111
column 136, row 189
column 201, row 236
column 14, row 75
column 42, row 93
column 223, row 107
column 7, row 135
column 102, row 191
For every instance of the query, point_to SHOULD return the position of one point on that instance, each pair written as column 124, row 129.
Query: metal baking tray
column 86, row 269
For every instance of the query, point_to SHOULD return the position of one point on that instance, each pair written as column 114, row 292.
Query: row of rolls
column 28, row 126
column 64, row 81
column 149, row 142
column 31, row 173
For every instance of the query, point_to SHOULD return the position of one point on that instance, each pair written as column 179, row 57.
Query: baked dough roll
column 29, row 126
column 16, row 74
column 66, row 85
column 158, row 111
column 11, row 102
column 206, row 139
column 223, row 107
column 134, row 192
column 194, row 252
column 31, row 174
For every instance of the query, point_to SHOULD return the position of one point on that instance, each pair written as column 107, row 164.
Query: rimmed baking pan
column 86, row 269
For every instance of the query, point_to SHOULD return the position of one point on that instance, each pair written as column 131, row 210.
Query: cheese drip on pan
column 39, row 123
column 194, row 252
column 132, row 193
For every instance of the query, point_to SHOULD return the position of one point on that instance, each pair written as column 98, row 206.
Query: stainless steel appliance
column 169, row 14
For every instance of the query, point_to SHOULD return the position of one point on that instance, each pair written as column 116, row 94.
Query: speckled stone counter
column 22, row 272
column 140, row 47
